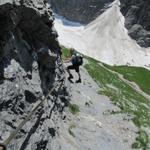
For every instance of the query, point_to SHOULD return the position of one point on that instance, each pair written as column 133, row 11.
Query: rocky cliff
column 83, row 11
column 30, row 64
column 137, row 14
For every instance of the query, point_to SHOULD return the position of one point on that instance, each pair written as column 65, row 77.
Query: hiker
column 76, row 60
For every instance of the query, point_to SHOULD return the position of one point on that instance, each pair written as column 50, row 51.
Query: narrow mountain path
column 94, row 127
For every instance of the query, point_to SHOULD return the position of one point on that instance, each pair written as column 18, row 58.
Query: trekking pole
column 14, row 133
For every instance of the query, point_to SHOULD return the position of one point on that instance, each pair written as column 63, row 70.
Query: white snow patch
column 105, row 39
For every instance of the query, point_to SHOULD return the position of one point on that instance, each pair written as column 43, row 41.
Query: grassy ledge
column 124, row 96
column 139, row 75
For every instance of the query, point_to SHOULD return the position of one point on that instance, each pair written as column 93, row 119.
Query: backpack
column 77, row 60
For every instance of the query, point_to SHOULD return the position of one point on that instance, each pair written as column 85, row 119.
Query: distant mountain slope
column 136, row 12
column 104, row 39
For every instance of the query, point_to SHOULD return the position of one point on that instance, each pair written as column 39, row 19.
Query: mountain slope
column 104, row 39
column 130, row 95
column 136, row 13
column 94, row 127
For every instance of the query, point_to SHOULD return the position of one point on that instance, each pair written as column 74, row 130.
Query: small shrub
column 74, row 109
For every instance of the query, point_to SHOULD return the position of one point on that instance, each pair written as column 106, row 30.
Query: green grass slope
column 125, row 97
column 139, row 75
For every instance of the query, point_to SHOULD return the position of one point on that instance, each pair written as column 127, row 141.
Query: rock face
column 83, row 11
column 30, row 64
column 137, row 14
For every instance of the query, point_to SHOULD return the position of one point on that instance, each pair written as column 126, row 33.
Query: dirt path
column 94, row 128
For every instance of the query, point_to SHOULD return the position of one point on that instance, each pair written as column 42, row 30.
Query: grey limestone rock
column 30, row 64
column 137, row 15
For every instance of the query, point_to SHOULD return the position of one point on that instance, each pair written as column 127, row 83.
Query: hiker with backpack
column 76, row 60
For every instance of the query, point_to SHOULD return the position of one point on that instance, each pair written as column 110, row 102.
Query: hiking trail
column 94, row 127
